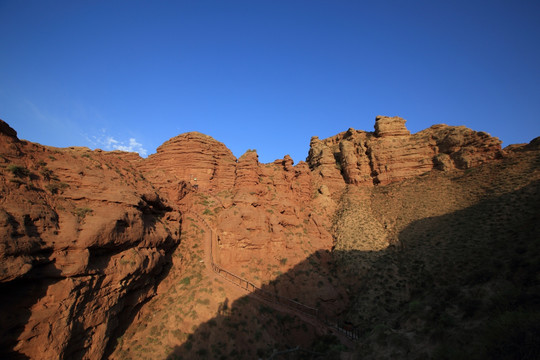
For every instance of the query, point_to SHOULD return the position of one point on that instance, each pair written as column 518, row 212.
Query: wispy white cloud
column 110, row 143
column 74, row 125
column 133, row 146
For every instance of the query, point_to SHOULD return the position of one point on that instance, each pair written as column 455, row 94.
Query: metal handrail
column 253, row 289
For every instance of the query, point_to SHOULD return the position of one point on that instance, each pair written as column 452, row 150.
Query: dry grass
column 421, row 266
column 463, row 255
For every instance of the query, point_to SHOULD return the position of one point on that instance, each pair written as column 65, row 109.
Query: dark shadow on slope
column 130, row 302
column 122, row 314
column 20, row 295
column 470, row 274
column 16, row 300
column 256, row 325
column 152, row 208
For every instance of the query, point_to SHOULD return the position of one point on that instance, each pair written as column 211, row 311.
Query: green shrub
column 19, row 171
column 203, row 301
column 415, row 306
column 202, row 352
column 17, row 181
column 82, row 212
column 55, row 187
column 265, row 310
column 46, row 173
column 185, row 281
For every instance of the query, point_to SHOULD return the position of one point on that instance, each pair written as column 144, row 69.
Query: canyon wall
column 86, row 236
column 391, row 153
column 83, row 239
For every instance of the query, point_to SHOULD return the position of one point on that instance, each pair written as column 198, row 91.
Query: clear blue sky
column 264, row 74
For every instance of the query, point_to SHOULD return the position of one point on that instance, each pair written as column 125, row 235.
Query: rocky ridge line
column 391, row 153
column 86, row 234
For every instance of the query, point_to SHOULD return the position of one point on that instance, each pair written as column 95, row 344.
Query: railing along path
column 295, row 306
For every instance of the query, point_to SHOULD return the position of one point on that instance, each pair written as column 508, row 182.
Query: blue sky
column 263, row 74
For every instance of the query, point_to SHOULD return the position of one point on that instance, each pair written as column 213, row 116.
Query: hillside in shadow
column 23, row 294
column 444, row 266
column 470, row 274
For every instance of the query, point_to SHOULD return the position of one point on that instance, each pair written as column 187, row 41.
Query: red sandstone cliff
column 261, row 211
column 187, row 160
column 84, row 235
column 391, row 153
column 275, row 213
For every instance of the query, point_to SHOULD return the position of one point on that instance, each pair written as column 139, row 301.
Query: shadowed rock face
column 87, row 236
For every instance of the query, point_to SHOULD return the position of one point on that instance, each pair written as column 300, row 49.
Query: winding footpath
column 306, row 313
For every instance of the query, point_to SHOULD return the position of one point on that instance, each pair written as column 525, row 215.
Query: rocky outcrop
column 462, row 148
column 248, row 170
column 274, row 212
column 390, row 126
column 391, row 153
column 86, row 235
column 323, row 163
column 7, row 130
column 191, row 159
column 83, row 240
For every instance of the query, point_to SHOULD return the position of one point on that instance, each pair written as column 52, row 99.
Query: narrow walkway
column 282, row 304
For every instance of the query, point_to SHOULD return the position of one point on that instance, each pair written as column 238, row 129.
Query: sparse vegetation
column 18, row 171
column 420, row 266
column 46, row 173
column 82, row 212
column 56, row 187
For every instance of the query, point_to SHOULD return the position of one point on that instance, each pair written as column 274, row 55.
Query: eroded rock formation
column 86, row 235
column 82, row 239
column 391, row 153
column 187, row 160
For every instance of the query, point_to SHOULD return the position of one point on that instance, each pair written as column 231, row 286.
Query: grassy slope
column 462, row 278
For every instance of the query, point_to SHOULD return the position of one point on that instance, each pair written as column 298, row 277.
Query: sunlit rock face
column 391, row 153
column 191, row 159
column 82, row 239
column 86, row 236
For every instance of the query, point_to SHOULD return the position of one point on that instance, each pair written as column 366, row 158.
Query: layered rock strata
column 86, row 235
column 83, row 239
column 391, row 153
column 190, row 160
